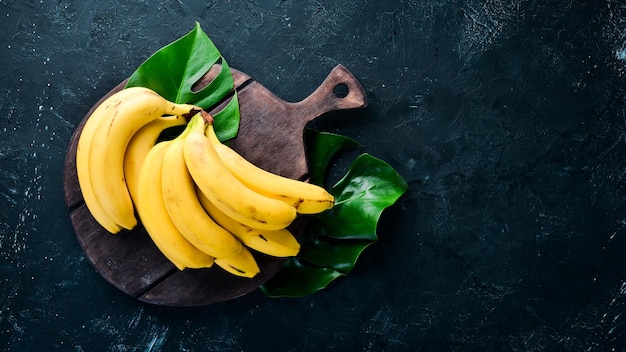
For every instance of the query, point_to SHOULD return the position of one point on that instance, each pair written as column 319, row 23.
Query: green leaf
column 370, row 186
column 333, row 241
column 326, row 252
column 298, row 280
column 325, row 147
column 215, row 91
column 174, row 69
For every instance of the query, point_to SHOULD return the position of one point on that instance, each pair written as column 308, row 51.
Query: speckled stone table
column 507, row 118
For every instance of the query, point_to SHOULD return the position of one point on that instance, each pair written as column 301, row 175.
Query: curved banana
column 277, row 243
column 307, row 198
column 243, row 264
column 83, row 153
column 123, row 114
column 225, row 190
column 185, row 210
column 139, row 146
column 156, row 220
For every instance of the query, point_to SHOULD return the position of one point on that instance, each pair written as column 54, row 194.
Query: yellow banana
column 224, row 190
column 154, row 217
column 139, row 146
column 277, row 243
column 242, row 264
column 123, row 115
column 307, row 198
column 185, row 210
column 83, row 153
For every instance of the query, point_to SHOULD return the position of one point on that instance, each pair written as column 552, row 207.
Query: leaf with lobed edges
column 174, row 69
column 333, row 241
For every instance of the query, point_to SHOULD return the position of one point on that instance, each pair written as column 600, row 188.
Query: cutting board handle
column 271, row 130
column 340, row 90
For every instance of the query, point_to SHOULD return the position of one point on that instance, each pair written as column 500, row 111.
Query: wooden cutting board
column 270, row 135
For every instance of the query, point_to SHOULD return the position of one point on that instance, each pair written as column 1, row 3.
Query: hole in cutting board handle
column 341, row 90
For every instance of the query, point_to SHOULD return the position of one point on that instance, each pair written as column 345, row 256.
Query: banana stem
column 207, row 117
column 191, row 113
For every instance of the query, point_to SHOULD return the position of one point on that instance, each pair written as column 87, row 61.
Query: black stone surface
column 507, row 117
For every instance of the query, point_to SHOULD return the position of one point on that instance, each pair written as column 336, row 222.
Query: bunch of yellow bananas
column 200, row 201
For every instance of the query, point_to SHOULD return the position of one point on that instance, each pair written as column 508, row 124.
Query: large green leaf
column 174, row 69
column 370, row 186
column 333, row 241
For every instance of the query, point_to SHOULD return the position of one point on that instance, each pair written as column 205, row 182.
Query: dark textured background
column 506, row 117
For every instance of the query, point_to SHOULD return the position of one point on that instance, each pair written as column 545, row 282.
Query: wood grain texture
column 270, row 135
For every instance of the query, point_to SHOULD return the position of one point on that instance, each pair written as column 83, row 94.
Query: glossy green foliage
column 333, row 241
column 173, row 70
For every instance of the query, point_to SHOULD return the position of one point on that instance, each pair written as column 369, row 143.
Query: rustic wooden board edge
column 201, row 281
column 134, row 245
